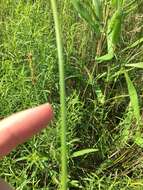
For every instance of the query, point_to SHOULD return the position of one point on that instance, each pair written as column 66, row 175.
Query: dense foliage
column 103, row 75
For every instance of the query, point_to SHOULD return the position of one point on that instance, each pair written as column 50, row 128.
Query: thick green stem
column 64, row 177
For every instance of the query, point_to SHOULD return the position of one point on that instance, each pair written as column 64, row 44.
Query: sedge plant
column 63, row 185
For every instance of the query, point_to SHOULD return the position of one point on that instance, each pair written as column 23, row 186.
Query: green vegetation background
column 29, row 77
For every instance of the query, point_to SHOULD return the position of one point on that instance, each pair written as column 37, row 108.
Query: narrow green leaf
column 106, row 57
column 136, row 110
column 83, row 152
column 136, row 65
column 133, row 97
column 136, row 43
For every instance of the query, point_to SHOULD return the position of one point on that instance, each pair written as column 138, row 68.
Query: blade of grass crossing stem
column 64, row 178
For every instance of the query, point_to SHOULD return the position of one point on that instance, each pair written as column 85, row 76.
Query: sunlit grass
column 102, row 103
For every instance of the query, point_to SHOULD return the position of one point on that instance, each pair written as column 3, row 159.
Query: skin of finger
column 21, row 126
column 4, row 185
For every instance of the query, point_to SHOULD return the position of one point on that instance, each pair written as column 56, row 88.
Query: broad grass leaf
column 133, row 97
column 83, row 152
column 116, row 33
column 113, row 36
column 116, row 3
column 136, row 110
column 114, row 26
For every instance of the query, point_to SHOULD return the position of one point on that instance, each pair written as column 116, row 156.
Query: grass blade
column 64, row 177
column 98, row 8
column 86, row 14
column 136, row 65
column 133, row 97
column 106, row 57
column 136, row 43
column 83, row 152
column 136, row 110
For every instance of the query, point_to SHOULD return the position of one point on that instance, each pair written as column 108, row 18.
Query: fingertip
column 50, row 110
column 18, row 128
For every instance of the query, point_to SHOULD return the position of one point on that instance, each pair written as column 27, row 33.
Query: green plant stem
column 63, row 185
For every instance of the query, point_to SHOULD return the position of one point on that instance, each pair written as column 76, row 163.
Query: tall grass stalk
column 63, row 185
